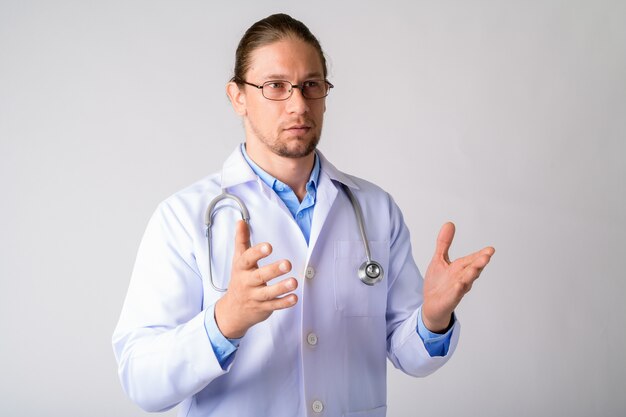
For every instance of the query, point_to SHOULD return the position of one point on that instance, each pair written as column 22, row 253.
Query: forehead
column 288, row 58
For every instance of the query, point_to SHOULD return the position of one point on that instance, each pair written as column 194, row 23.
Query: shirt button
column 310, row 272
column 317, row 406
column 311, row 339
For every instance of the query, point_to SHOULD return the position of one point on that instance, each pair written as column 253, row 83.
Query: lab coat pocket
column 353, row 297
column 374, row 412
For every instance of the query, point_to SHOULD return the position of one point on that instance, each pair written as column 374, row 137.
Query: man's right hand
column 249, row 299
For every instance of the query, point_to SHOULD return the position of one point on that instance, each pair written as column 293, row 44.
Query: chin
column 297, row 147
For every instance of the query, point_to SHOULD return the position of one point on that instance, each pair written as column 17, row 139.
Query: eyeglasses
column 279, row 90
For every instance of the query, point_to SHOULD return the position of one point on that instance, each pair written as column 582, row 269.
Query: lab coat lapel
column 236, row 171
column 326, row 195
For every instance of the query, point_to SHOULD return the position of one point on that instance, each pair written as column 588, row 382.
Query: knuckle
column 262, row 276
column 257, row 277
column 243, row 262
column 473, row 270
column 462, row 287
column 240, row 263
column 266, row 295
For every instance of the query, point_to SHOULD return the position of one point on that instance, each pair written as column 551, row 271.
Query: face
column 289, row 128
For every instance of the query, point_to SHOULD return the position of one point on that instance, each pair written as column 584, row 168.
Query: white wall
column 507, row 117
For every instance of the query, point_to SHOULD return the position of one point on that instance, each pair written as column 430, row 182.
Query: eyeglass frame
column 298, row 86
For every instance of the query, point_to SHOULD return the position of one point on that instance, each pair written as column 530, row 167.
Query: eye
column 312, row 84
column 276, row 85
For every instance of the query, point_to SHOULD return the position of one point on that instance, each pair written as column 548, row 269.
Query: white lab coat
column 327, row 353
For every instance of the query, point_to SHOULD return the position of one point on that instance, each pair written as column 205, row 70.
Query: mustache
column 298, row 123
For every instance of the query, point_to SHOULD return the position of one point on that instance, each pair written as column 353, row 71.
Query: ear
column 237, row 98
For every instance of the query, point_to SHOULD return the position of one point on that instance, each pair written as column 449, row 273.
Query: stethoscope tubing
column 208, row 221
column 370, row 272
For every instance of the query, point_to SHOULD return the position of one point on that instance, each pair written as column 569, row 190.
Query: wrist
column 224, row 325
column 440, row 325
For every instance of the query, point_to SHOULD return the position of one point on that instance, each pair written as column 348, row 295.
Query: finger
column 248, row 260
column 472, row 271
column 281, row 288
column 467, row 260
column 281, row 303
column 444, row 240
column 269, row 272
column 242, row 238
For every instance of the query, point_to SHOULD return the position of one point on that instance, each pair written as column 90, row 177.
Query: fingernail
column 265, row 249
column 283, row 267
column 290, row 284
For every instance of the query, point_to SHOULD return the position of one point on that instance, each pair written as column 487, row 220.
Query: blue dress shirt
column 302, row 211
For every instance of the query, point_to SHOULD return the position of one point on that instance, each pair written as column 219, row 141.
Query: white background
column 507, row 117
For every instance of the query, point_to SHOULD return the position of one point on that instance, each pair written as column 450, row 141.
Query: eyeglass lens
column 282, row 90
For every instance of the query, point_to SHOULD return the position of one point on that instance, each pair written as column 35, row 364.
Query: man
column 296, row 332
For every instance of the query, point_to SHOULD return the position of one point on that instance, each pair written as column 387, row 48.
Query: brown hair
column 269, row 30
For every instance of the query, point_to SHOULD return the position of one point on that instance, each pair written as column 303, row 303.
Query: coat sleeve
column 405, row 347
column 162, row 349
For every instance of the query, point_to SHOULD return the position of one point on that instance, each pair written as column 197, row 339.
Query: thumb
column 444, row 240
column 242, row 237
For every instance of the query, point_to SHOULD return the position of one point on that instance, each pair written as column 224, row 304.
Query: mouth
column 298, row 129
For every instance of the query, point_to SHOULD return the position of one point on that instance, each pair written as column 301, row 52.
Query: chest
column 326, row 269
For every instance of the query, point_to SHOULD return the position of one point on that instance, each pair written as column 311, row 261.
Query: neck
column 295, row 172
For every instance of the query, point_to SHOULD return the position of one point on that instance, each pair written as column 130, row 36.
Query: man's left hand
column 447, row 282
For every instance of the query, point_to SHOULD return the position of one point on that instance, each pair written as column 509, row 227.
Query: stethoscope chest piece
column 371, row 272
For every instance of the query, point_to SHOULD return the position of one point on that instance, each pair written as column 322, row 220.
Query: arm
column 161, row 343
column 405, row 348
column 437, row 296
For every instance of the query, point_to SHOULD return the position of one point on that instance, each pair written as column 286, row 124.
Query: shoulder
column 199, row 190
column 359, row 186
column 367, row 187
column 188, row 204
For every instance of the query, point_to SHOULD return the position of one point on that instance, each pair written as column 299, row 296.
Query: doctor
column 297, row 333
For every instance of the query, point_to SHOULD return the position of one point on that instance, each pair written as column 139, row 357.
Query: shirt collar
column 276, row 184
column 236, row 170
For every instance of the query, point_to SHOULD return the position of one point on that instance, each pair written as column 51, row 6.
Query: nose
column 297, row 103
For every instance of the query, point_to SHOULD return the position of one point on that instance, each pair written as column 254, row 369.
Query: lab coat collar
column 333, row 173
column 237, row 171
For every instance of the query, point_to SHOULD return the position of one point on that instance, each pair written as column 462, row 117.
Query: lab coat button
column 318, row 406
column 310, row 272
column 311, row 339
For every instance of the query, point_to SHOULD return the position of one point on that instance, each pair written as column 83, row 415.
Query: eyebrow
column 279, row 76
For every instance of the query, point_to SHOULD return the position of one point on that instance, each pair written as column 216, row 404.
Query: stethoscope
column 370, row 272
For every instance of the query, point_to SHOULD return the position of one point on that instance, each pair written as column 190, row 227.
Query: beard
column 296, row 148
column 292, row 146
